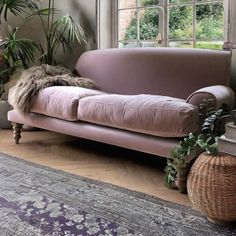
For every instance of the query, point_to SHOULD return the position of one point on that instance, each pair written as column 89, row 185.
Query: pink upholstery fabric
column 123, row 138
column 160, row 71
column 219, row 94
column 61, row 101
column 156, row 115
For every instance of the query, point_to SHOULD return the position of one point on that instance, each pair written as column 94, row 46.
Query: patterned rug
column 36, row 200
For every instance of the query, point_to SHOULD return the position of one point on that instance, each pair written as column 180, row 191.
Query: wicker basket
column 211, row 187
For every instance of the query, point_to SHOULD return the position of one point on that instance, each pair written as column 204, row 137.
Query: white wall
column 84, row 12
column 105, row 24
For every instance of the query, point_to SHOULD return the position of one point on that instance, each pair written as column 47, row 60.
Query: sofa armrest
column 219, row 94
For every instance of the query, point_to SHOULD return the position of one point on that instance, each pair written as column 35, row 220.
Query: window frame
column 164, row 21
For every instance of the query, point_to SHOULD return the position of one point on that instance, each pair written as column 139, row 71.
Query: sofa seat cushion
column 61, row 101
column 149, row 114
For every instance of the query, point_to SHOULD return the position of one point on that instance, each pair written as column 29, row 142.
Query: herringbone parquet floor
column 125, row 168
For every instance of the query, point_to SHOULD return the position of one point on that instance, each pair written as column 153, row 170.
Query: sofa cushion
column 150, row 114
column 61, row 101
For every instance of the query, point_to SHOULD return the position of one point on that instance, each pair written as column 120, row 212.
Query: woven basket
column 211, row 187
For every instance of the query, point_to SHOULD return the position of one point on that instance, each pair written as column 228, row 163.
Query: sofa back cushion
column 162, row 71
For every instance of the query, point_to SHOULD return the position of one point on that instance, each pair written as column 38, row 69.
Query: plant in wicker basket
column 181, row 155
column 211, row 184
column 211, row 187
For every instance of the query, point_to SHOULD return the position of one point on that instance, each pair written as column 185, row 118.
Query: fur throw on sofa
column 39, row 77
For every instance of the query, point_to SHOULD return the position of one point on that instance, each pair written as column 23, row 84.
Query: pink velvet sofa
column 148, row 98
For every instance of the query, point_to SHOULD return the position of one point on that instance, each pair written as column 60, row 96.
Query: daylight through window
column 173, row 23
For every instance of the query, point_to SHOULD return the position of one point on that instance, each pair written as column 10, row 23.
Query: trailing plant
column 205, row 140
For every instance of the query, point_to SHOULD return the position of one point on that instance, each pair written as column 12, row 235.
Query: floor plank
column 133, row 170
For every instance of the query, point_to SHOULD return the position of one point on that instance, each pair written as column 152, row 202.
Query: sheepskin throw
column 39, row 77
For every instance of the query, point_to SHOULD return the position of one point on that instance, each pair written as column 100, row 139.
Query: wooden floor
column 121, row 167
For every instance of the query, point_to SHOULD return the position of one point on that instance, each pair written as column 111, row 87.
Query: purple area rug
column 36, row 200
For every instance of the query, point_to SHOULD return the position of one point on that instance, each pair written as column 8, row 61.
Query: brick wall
column 125, row 16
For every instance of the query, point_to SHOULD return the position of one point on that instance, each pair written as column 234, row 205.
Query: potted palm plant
column 15, row 53
column 57, row 32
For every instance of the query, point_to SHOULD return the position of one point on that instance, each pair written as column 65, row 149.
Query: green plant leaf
column 41, row 12
column 68, row 31
column 16, row 7
column 57, row 32
column 18, row 52
column 205, row 140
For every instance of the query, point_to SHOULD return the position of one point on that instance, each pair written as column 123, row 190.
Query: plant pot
column 211, row 187
column 4, row 108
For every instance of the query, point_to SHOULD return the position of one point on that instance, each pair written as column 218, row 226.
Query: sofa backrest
column 163, row 71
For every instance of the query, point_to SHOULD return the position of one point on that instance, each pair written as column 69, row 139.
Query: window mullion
column 163, row 23
column 227, row 29
column 194, row 23
column 138, row 23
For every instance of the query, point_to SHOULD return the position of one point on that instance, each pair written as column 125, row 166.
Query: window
column 173, row 23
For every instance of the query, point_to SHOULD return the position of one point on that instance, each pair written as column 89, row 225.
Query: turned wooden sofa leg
column 16, row 132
